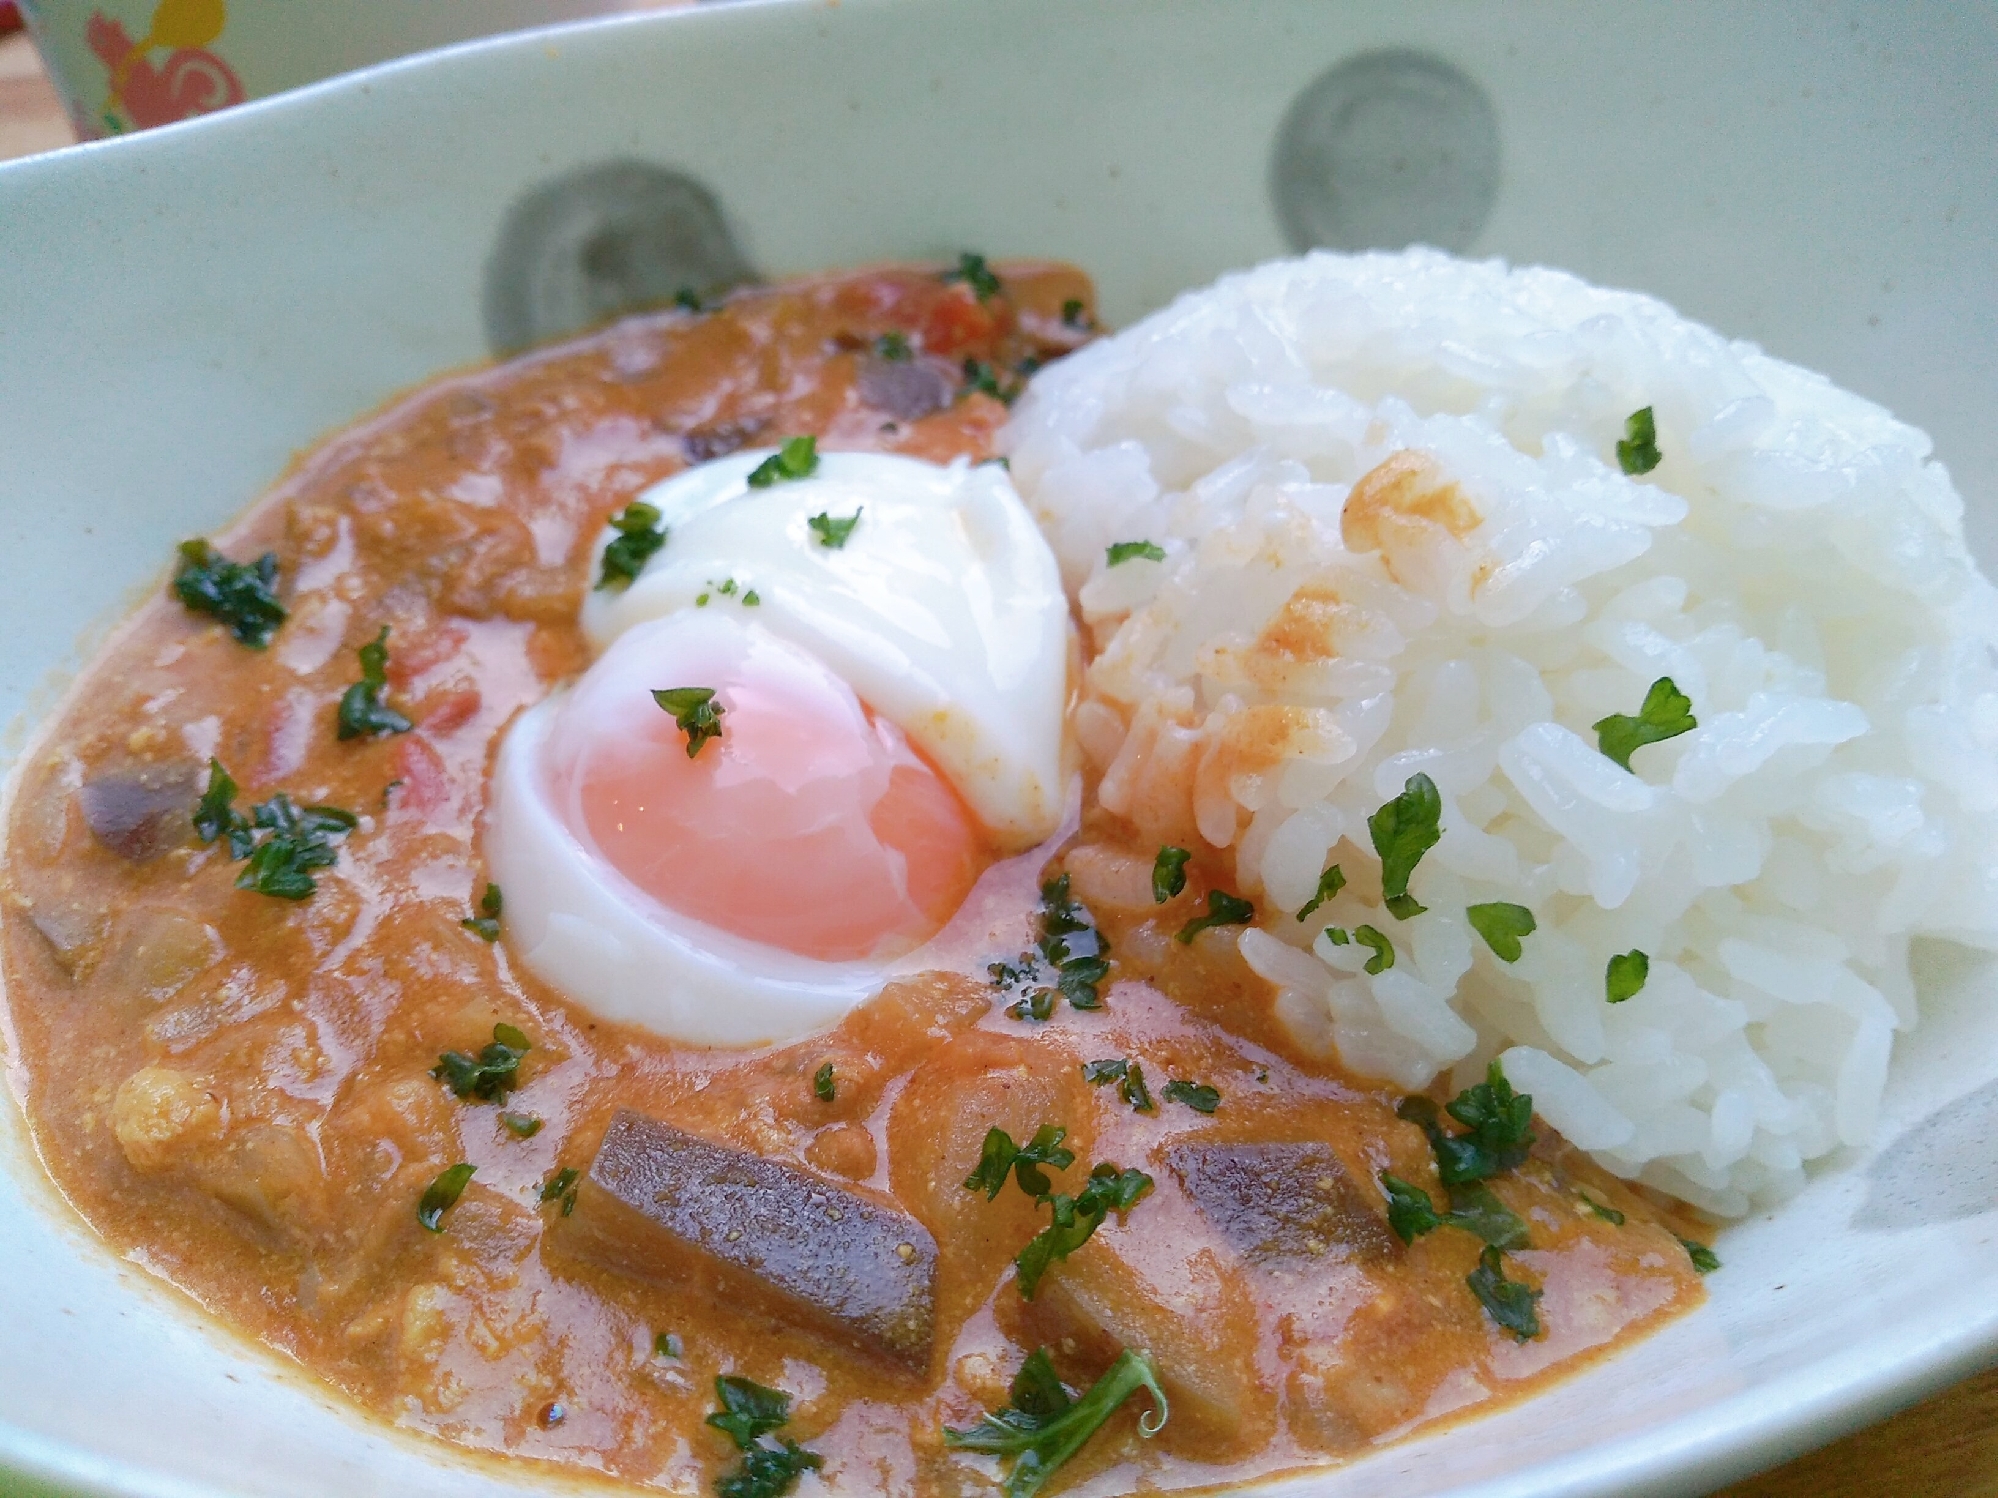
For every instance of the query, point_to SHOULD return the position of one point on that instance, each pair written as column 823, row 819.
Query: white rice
column 1796, row 564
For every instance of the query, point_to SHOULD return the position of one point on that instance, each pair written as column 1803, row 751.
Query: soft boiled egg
column 889, row 696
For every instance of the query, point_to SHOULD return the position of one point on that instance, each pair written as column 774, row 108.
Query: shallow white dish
column 183, row 310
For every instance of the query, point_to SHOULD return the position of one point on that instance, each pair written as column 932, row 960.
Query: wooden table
column 1945, row 1448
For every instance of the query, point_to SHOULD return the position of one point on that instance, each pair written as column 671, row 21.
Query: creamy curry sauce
column 237, row 1090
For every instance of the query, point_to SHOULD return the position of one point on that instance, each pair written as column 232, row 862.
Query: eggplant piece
column 1283, row 1203
column 907, row 389
column 139, row 814
column 666, row 1206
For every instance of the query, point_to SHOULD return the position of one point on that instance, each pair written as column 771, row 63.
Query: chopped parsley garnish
column 1329, row 884
column 1609, row 1215
column 1034, row 1004
column 1196, row 1095
column 1130, row 1080
column 1373, row 941
column 748, row 1413
column 695, row 713
column 362, row 711
column 1044, row 1426
column 299, row 841
column 242, row 595
column 215, row 815
column 1626, row 975
column 521, row 1125
column 833, row 532
column 1072, row 946
column 1223, row 909
column 1076, row 1219
column 893, row 347
column 822, row 1083
column 1168, row 874
column 1000, row 1157
column 487, row 922
column 1667, row 712
column 1411, row 1213
column 1500, row 1124
column 982, row 377
column 975, row 274
column 1125, row 551
column 1704, row 1258
column 639, row 535
column 668, row 1345
column 1637, row 450
column 750, row 599
column 1075, row 315
column 561, row 1187
column 1403, row 830
column 688, row 300
column 1510, row 1304
column 441, row 1195
column 1502, row 925
column 798, row 458
column 491, row 1074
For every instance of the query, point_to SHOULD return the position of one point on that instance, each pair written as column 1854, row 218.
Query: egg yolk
column 809, row 824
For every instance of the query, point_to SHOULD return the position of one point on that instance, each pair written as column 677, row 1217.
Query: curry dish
column 311, row 1088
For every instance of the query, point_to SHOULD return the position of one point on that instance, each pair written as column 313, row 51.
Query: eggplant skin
column 665, row 1206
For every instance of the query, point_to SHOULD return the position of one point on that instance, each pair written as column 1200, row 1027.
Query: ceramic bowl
column 184, row 310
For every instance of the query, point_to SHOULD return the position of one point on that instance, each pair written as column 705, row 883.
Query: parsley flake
column 490, row 1075
column 561, row 1187
column 688, row 300
column 1667, row 712
column 982, row 378
column 1403, row 830
column 1637, row 450
column 441, row 1195
column 299, row 841
column 1510, row 1304
column 215, row 815
column 1379, row 945
column 1609, row 1215
column 1168, row 874
column 1196, row 1095
column 1704, row 1258
column 834, row 532
column 1626, row 975
column 520, row 1125
column 1473, row 1208
column 975, row 274
column 822, row 1083
column 1125, row 551
column 487, row 922
column 695, row 713
column 242, row 595
column 1500, row 1124
column 362, row 711
column 1044, row 1426
column 748, row 1413
column 893, row 347
column 668, row 1345
column 1071, row 944
column 1000, row 1157
column 1329, row 884
column 1502, row 925
column 797, row 458
column 1129, row 1077
column 1075, row 1220
column 1223, row 909
column 1075, row 315
column 639, row 536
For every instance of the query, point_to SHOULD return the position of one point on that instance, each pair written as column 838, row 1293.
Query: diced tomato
column 450, row 707
column 426, row 785
column 959, row 325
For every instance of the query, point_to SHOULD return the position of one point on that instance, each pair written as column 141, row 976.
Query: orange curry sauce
column 237, row 1090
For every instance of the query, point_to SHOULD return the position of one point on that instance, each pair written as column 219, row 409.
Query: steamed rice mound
column 1398, row 539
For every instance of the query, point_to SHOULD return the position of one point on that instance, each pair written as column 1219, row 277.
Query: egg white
column 943, row 610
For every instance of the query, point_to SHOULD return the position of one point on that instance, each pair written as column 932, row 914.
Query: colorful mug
column 131, row 64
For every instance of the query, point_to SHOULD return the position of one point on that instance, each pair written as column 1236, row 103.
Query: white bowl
column 182, row 311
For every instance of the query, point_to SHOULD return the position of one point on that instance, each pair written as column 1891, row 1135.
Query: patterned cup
column 125, row 65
